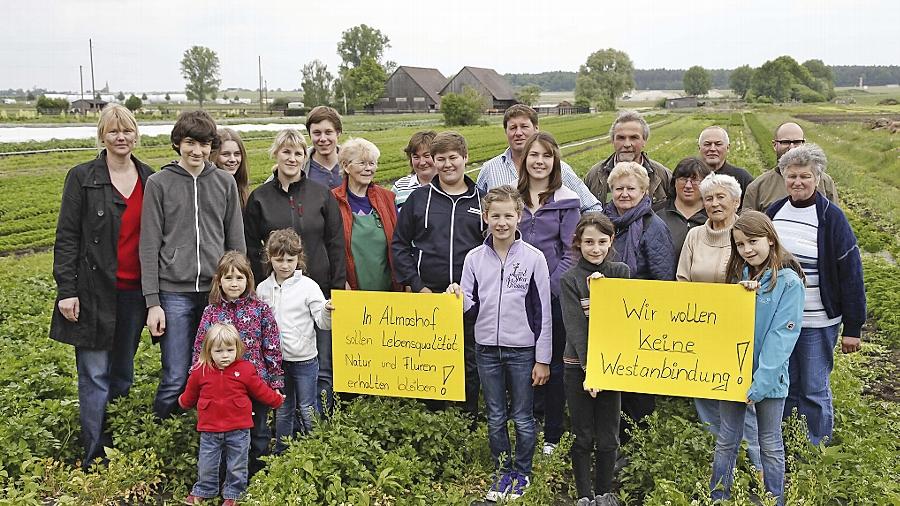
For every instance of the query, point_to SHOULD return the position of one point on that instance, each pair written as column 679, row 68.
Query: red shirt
column 223, row 396
column 128, row 273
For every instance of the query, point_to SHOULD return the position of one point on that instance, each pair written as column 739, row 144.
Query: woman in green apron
column 369, row 217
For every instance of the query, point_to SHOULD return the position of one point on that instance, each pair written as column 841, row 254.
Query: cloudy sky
column 138, row 43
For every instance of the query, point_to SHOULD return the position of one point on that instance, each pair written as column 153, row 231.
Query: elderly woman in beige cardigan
column 704, row 258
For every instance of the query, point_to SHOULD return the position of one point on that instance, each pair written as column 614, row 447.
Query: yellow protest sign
column 663, row 337
column 398, row 344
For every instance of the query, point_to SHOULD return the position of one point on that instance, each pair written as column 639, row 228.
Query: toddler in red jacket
column 221, row 385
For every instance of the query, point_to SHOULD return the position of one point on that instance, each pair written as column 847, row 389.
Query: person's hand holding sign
column 454, row 288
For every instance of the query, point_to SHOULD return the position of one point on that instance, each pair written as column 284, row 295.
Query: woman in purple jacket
column 548, row 223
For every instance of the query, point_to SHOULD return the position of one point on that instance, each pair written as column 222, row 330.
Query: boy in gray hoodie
column 191, row 216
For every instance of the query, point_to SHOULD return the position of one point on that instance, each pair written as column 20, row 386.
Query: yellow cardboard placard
column 671, row 338
column 398, row 344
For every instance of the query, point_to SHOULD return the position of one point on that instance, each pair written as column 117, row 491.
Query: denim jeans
column 105, row 375
column 325, row 381
column 298, row 412
column 550, row 398
column 595, row 424
column 183, row 312
column 505, row 374
column 231, row 448
column 708, row 412
column 810, row 371
column 768, row 418
column 260, row 436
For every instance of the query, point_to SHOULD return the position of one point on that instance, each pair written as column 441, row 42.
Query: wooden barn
column 497, row 92
column 412, row 89
column 84, row 105
column 682, row 102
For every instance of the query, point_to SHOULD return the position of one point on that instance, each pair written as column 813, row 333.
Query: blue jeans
column 505, row 374
column 298, row 412
column 768, row 418
column 708, row 412
column 231, row 448
column 105, row 375
column 550, row 398
column 810, row 370
column 183, row 312
column 325, row 382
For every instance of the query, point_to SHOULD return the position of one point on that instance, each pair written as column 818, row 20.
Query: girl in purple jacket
column 505, row 282
column 548, row 223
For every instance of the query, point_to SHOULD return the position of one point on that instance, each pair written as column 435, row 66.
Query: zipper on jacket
column 452, row 223
column 197, row 229
column 293, row 210
column 500, row 295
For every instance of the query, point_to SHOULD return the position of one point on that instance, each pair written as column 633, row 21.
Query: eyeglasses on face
column 791, row 142
column 363, row 164
column 684, row 180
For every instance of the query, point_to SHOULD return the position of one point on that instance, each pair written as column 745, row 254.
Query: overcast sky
column 138, row 44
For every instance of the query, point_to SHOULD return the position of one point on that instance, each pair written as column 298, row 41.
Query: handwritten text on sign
column 663, row 337
column 398, row 344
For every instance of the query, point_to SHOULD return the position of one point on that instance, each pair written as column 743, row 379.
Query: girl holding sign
column 760, row 263
column 595, row 414
column 299, row 307
column 506, row 285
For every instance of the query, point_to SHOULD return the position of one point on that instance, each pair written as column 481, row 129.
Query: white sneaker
column 549, row 448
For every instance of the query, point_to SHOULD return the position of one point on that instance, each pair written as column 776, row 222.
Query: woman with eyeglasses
column 704, row 258
column 684, row 210
column 369, row 216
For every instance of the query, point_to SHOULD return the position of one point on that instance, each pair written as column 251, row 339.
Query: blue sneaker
column 500, row 488
column 519, row 484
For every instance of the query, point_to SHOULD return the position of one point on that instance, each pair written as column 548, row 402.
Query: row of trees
column 358, row 84
column 783, row 79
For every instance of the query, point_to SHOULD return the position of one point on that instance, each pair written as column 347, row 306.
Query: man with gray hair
column 769, row 187
column 628, row 134
column 714, row 144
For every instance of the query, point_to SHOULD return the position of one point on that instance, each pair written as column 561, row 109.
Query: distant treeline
column 673, row 79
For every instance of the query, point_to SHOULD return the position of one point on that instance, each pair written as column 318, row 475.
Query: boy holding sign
column 439, row 224
column 506, row 282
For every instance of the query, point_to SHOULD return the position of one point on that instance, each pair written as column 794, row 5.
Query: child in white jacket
column 299, row 306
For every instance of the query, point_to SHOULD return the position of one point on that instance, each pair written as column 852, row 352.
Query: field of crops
column 384, row 451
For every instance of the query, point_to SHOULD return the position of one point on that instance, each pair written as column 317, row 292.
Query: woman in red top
column 369, row 217
column 99, row 306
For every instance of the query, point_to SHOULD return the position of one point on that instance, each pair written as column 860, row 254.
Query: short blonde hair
column 625, row 169
column 357, row 148
column 289, row 137
column 220, row 333
column 116, row 116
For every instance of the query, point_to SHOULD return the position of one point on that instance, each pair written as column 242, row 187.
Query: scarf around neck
column 632, row 225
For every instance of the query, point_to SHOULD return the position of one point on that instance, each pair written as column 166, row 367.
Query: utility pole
column 267, row 91
column 81, row 80
column 261, row 104
column 93, row 85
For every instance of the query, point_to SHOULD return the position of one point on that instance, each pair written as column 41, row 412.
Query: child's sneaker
column 607, row 499
column 229, row 502
column 500, row 488
column 519, row 484
column 193, row 499
column 549, row 448
column 585, row 501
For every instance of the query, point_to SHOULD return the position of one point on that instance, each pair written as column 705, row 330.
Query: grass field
column 384, row 451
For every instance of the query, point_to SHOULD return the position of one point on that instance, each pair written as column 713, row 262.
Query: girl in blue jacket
column 759, row 262
column 505, row 287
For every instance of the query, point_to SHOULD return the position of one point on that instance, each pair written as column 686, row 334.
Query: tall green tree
column 604, row 76
column 773, row 79
column 316, row 84
column 200, row 68
column 697, row 81
column 740, row 80
column 133, row 103
column 529, row 94
column 360, row 84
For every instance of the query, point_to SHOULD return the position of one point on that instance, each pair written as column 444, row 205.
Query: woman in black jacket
column 290, row 199
column 99, row 306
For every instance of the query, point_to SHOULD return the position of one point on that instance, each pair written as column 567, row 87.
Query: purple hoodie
column 550, row 229
column 504, row 295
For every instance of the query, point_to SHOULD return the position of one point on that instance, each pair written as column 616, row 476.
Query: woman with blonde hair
column 231, row 156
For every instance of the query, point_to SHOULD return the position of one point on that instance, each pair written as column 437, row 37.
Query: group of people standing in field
column 234, row 285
